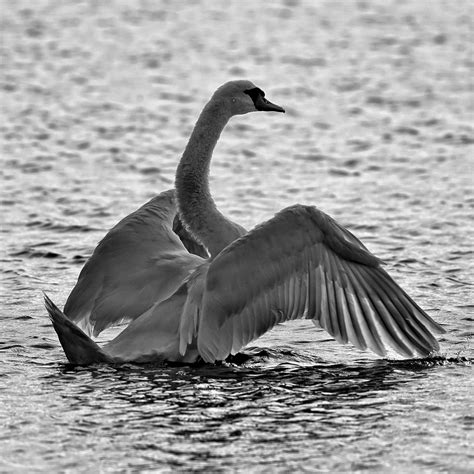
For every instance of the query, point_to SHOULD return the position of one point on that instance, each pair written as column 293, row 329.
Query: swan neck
column 197, row 155
column 196, row 206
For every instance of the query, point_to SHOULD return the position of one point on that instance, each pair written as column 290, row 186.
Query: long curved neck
column 196, row 206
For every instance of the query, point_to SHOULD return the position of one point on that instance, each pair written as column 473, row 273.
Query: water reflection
column 196, row 414
column 280, row 391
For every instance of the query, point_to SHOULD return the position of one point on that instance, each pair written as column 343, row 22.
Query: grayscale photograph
column 237, row 236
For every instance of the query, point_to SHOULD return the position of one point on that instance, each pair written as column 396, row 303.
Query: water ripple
column 99, row 99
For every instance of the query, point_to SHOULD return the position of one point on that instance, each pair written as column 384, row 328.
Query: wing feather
column 356, row 315
column 383, row 321
column 336, row 315
column 351, row 334
column 324, row 315
column 139, row 263
column 289, row 290
column 301, row 263
column 366, row 318
column 404, row 300
column 300, row 297
column 418, row 335
column 313, row 294
column 338, row 282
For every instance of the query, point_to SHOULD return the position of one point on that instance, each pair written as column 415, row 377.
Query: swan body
column 194, row 284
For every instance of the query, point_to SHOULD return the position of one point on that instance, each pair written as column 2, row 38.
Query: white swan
column 183, row 305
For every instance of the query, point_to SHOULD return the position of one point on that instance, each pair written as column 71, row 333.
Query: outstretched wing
column 303, row 264
column 140, row 262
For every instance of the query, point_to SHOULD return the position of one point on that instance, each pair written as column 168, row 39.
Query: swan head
column 242, row 97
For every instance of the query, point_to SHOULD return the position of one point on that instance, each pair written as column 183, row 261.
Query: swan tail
column 79, row 348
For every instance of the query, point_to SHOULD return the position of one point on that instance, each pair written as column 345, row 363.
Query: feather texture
column 139, row 263
column 301, row 264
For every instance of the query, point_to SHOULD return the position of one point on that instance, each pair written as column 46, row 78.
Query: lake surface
column 98, row 99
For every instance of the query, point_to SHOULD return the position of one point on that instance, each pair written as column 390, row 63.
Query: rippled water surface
column 98, row 99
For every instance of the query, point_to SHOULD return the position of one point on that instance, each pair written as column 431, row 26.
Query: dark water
column 98, row 99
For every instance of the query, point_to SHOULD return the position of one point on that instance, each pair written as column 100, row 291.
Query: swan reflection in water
column 197, row 286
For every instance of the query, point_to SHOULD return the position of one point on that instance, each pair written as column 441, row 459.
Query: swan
column 197, row 286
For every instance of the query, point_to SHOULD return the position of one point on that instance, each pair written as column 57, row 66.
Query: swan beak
column 263, row 104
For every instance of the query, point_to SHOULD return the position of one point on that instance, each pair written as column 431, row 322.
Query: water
column 98, row 99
